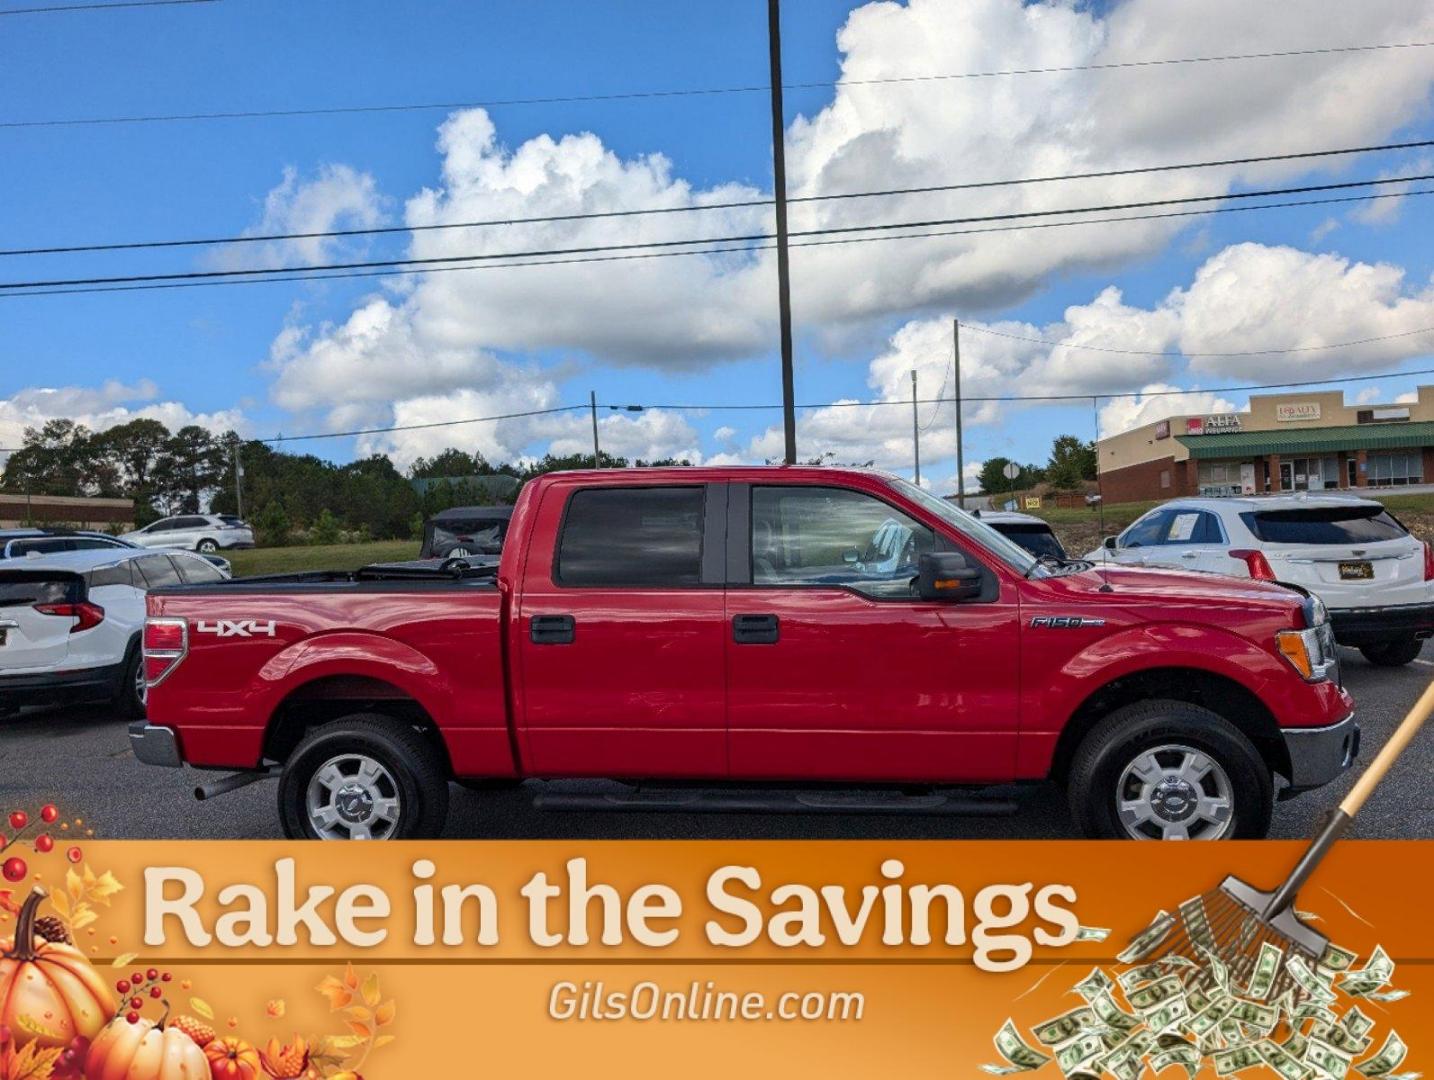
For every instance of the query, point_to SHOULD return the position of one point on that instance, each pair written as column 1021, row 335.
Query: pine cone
column 52, row 929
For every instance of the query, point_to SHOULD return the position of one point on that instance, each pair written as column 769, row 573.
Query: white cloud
column 1156, row 402
column 338, row 197
column 1386, row 211
column 1367, row 395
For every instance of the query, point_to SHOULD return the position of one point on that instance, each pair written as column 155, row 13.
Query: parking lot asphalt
column 80, row 759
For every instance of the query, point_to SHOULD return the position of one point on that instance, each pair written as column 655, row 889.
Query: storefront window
column 1396, row 469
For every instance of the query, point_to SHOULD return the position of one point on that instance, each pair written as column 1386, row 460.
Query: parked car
column 71, row 623
column 1374, row 577
column 28, row 543
column 464, row 531
column 195, row 532
column 695, row 626
column 1033, row 534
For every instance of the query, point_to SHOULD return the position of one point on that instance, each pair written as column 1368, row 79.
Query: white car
column 70, row 624
column 194, row 532
column 1376, row 580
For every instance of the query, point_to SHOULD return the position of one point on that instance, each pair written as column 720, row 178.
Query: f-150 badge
column 1064, row 622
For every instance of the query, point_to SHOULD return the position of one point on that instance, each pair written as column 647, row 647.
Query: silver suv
column 1374, row 577
column 194, row 532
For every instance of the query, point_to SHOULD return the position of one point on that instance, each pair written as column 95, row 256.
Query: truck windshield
column 974, row 529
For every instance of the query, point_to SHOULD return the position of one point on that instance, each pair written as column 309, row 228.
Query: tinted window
column 1192, row 527
column 1147, row 531
column 89, row 543
column 37, row 590
column 632, row 537
column 196, row 571
column 230, row 519
column 157, row 571
column 190, row 523
column 119, row 574
column 162, row 525
column 1037, row 539
column 43, row 546
column 1325, row 525
column 832, row 536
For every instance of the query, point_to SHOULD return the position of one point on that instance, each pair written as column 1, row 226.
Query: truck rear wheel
column 1169, row 770
column 1394, row 653
column 363, row 777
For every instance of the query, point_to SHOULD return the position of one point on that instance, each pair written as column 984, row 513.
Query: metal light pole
column 915, row 429
column 597, row 454
column 779, row 186
column 960, row 454
column 238, row 482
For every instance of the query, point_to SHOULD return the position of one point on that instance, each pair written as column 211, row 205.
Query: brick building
column 1283, row 442
column 42, row 510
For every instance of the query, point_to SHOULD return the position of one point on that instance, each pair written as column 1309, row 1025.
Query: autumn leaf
column 103, row 888
column 384, row 1014
column 371, row 993
column 84, row 915
column 351, row 979
column 74, row 885
column 7, row 902
column 61, row 903
column 359, row 1013
column 363, row 1031
column 383, row 1040
column 202, row 1007
column 276, row 1008
column 337, row 993
column 343, row 1042
column 31, row 1062
column 123, row 959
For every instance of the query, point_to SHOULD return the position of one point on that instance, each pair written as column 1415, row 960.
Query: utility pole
column 960, row 453
column 238, row 481
column 779, row 186
column 915, row 429
column 597, row 454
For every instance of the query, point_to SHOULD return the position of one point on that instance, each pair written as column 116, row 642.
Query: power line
column 103, row 7
column 196, row 275
column 1181, row 352
column 738, row 204
column 420, row 427
column 636, row 95
column 688, row 252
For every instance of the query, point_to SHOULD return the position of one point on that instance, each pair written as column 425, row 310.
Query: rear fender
column 357, row 653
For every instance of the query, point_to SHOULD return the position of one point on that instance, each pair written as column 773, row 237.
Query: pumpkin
column 232, row 1058
column 144, row 1050
column 49, row 993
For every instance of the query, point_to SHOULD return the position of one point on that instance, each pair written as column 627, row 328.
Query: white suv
column 70, row 624
column 1374, row 577
column 194, row 532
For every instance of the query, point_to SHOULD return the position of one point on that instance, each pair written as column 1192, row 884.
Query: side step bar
column 737, row 801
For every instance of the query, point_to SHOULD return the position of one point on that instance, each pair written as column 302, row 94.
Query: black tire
column 129, row 702
column 1093, row 784
column 1394, row 653
column 415, row 771
column 206, row 546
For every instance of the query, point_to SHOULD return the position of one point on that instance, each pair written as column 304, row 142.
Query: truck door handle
column 754, row 629
column 551, row 629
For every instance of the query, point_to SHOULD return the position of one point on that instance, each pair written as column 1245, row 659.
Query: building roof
column 1315, row 440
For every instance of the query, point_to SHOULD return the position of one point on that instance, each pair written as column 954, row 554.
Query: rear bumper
column 154, row 744
column 1319, row 755
column 1371, row 625
column 60, row 687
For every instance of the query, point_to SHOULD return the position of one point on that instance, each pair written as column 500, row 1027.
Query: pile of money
column 1299, row 1018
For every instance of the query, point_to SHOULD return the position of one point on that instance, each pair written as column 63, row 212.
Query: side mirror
column 1108, row 543
column 851, row 556
column 946, row 575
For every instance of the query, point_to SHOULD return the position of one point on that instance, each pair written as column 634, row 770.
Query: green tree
column 272, row 525
column 1073, row 462
column 135, row 448
column 326, row 528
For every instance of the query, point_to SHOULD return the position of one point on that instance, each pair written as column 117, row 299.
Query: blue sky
column 211, row 352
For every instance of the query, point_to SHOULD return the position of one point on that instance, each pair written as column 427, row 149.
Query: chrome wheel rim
column 1175, row 792
column 353, row 797
column 141, row 684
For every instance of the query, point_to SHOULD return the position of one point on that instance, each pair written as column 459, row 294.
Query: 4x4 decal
column 236, row 628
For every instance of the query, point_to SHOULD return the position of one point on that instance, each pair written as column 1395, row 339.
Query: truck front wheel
column 1169, row 770
column 364, row 777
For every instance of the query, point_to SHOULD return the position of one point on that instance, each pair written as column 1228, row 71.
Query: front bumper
column 1372, row 625
column 1319, row 755
column 154, row 744
column 60, row 687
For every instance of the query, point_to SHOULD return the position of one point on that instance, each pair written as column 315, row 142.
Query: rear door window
column 1193, row 527
column 157, row 571
column 1148, row 531
column 1325, row 525
column 197, row 571
column 644, row 537
column 121, row 573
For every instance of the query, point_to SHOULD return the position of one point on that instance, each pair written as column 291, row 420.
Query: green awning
column 1304, row 441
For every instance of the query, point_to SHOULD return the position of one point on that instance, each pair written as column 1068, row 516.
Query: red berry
column 48, row 813
column 4, row 841
column 122, row 986
column 19, row 819
column 137, row 978
column 74, row 854
column 43, row 843
column 132, row 1017
column 136, row 1003
column 152, row 974
column 165, row 977
column 14, row 869
column 155, row 991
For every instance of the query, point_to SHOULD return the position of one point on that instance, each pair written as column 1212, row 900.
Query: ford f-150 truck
column 751, row 634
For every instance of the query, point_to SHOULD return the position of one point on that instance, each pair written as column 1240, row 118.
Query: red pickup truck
column 733, row 637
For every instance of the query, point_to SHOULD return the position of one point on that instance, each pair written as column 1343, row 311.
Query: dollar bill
column 1151, row 996
column 1219, row 973
column 1112, row 1015
column 1308, row 981
column 1092, row 933
column 1313, row 1010
column 1267, row 966
column 1064, row 1028
column 1355, row 1022
column 1168, row 1015
column 1259, row 1016
column 1282, row 1061
column 1329, row 1060
column 1341, row 1038
column 1208, row 1019
column 1197, row 923
column 1019, row 1056
column 1374, row 975
column 1387, row 995
column 1391, row 1055
column 1296, row 1044
column 1094, row 984
column 1336, row 959
column 1149, row 939
column 1143, row 973
column 1186, row 1056
column 1084, row 1049
column 1237, row 1059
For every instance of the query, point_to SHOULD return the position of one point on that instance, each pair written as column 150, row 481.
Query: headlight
column 1305, row 650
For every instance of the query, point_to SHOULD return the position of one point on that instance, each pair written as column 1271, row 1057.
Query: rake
column 1233, row 922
